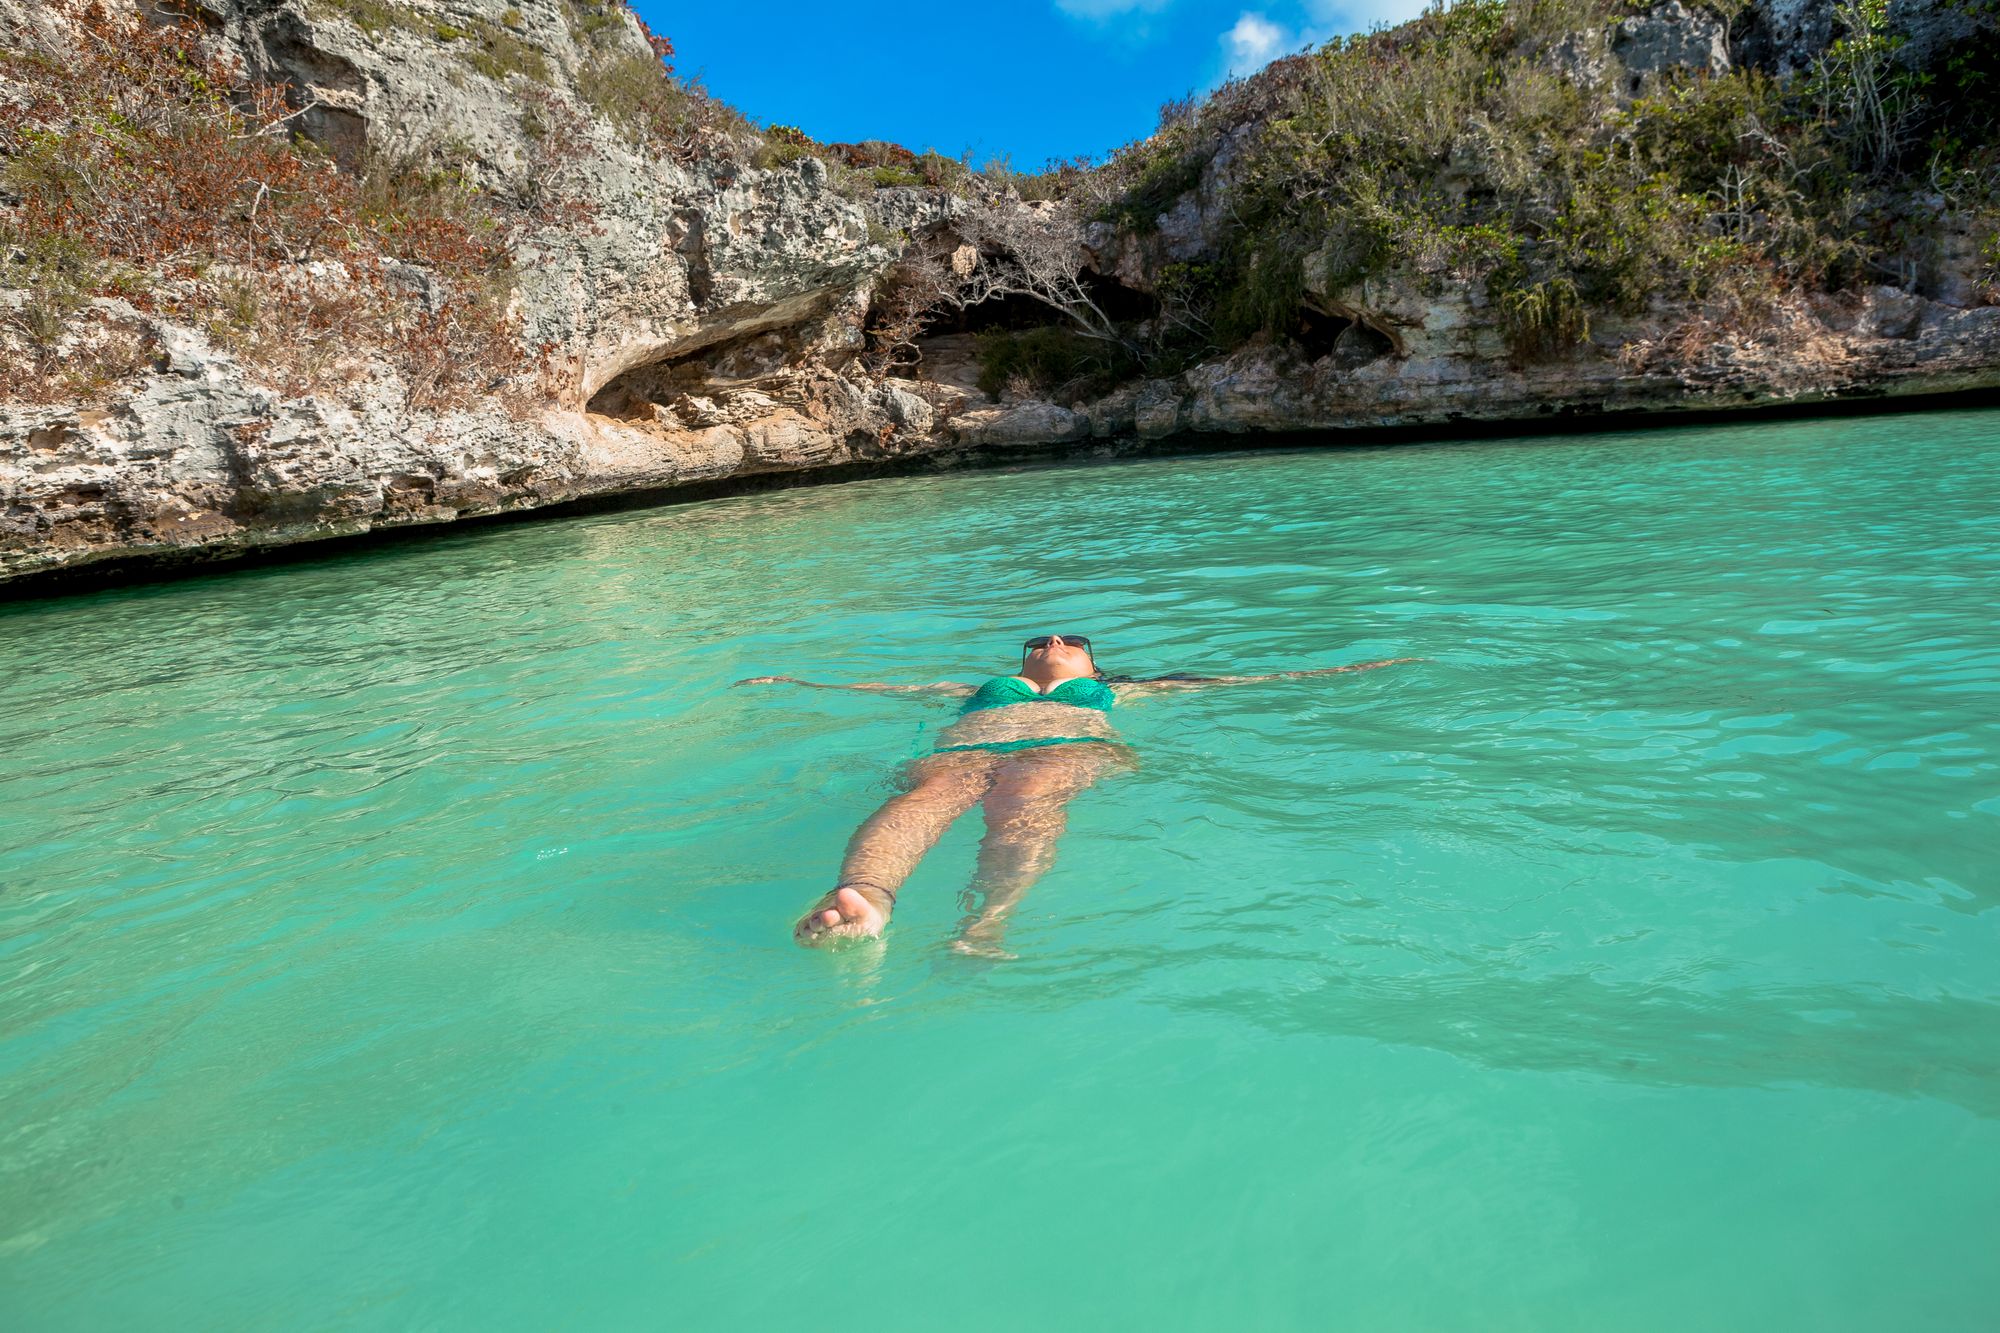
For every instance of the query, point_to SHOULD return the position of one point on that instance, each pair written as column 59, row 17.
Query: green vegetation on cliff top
column 1487, row 141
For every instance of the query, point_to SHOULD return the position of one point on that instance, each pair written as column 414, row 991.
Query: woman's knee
column 1027, row 817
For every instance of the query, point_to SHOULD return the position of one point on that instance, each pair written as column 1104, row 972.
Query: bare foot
column 842, row 914
column 981, row 938
column 976, row 949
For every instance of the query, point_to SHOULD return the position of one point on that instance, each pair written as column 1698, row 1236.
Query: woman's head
column 1058, row 655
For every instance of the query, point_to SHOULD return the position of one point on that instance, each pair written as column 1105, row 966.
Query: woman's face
column 1061, row 657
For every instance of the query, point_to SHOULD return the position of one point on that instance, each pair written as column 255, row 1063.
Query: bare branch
column 1036, row 253
column 268, row 126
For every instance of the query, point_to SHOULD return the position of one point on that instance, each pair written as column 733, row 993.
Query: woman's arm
column 1138, row 689
column 947, row 688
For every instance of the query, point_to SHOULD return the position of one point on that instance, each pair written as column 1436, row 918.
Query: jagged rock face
column 1883, row 342
column 1670, row 36
column 1787, row 37
column 676, row 260
column 200, row 455
column 1929, row 30
column 1194, row 227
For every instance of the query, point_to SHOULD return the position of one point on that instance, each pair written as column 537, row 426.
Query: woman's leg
column 885, row 849
column 1026, row 811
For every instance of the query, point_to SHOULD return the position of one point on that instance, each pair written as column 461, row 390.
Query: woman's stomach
column 1026, row 721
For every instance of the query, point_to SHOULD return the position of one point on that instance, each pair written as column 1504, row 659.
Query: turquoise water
column 400, row 939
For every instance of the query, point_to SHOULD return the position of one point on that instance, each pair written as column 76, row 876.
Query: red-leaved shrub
column 145, row 166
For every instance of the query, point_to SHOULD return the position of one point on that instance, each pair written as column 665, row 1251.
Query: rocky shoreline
column 167, row 563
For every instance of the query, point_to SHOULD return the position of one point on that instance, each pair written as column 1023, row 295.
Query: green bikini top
column 1078, row 691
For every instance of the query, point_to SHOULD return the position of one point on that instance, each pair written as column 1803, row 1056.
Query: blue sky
column 1027, row 79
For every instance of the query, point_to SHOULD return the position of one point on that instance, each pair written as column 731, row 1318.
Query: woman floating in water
column 1023, row 745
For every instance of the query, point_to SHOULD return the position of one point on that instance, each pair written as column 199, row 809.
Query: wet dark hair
column 1149, row 680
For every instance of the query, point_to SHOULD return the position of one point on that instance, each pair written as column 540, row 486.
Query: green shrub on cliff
column 55, row 273
column 1476, row 144
column 1153, row 174
column 1054, row 361
column 782, row 146
column 639, row 92
column 1543, row 317
column 679, row 120
column 1400, row 146
column 374, row 17
column 499, row 54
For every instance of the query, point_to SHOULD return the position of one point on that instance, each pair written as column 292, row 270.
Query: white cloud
column 1257, row 39
column 1251, row 44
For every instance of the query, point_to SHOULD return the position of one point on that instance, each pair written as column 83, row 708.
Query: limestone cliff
column 708, row 307
column 752, row 270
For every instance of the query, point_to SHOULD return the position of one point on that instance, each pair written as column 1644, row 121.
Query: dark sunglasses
column 1043, row 641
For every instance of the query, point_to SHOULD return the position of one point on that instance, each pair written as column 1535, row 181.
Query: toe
column 846, row 914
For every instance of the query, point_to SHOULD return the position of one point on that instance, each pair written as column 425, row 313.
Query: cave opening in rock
column 733, row 364
column 622, row 398
column 1359, row 344
column 1002, row 313
column 1316, row 332
column 1121, row 304
column 1013, row 313
column 948, row 352
column 632, row 396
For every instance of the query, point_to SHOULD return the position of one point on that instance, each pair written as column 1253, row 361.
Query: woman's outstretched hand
column 1334, row 671
column 766, row 680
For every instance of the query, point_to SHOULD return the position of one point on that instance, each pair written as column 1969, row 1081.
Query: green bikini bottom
column 1036, row 743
